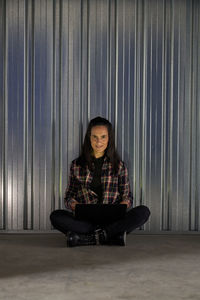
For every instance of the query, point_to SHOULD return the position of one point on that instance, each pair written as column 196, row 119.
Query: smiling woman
column 99, row 140
column 98, row 176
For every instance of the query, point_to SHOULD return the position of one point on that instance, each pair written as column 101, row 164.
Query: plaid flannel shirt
column 116, row 187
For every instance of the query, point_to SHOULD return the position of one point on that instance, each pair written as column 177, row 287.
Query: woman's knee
column 143, row 210
column 146, row 210
column 56, row 214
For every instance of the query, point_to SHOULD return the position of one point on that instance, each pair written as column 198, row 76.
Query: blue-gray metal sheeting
column 136, row 63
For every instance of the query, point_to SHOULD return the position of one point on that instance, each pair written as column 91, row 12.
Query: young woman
column 98, row 176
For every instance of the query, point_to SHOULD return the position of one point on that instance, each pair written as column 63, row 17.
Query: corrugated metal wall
column 136, row 63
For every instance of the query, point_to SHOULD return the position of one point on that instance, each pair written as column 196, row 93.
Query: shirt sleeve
column 124, row 186
column 71, row 190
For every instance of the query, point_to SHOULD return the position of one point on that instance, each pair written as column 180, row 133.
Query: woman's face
column 99, row 140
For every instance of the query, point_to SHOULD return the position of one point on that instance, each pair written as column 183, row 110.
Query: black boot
column 119, row 240
column 80, row 239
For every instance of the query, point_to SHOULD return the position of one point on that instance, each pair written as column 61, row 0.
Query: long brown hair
column 86, row 153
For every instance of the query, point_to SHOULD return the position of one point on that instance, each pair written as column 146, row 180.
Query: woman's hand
column 73, row 205
column 124, row 202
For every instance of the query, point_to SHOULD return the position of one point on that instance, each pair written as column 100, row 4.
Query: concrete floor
column 39, row 266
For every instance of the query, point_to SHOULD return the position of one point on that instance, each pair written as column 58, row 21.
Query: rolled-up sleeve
column 124, row 186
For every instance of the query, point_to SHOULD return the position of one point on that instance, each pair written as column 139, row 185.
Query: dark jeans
column 64, row 221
